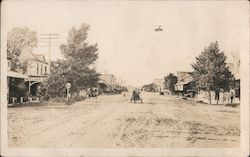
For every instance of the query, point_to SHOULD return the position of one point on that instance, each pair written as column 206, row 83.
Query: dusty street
column 111, row 121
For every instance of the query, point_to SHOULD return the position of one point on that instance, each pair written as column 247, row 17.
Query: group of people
column 136, row 95
column 136, row 92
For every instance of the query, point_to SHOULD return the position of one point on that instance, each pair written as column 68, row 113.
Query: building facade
column 37, row 72
column 108, row 79
column 183, row 84
column 235, row 70
column 14, row 78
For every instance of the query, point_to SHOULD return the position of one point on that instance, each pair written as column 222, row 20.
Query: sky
column 128, row 46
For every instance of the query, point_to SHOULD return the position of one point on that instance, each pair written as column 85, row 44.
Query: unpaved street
column 111, row 121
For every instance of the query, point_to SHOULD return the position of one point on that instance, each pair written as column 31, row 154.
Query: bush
column 79, row 98
column 70, row 101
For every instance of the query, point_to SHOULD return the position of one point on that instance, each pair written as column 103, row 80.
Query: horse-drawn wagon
column 136, row 96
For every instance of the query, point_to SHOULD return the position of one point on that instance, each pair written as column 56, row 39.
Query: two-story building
column 37, row 70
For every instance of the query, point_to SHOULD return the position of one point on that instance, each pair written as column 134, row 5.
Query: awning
column 182, row 83
column 16, row 75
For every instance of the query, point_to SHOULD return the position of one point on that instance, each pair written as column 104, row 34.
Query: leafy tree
column 19, row 39
column 18, row 88
column 170, row 81
column 150, row 87
column 211, row 72
column 76, row 68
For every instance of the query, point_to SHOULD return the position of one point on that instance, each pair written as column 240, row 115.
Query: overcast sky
column 129, row 47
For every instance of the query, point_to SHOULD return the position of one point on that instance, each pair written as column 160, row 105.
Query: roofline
column 37, row 60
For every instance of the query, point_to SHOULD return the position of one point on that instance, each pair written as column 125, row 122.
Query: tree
column 211, row 72
column 76, row 67
column 150, row 87
column 19, row 39
column 17, row 88
column 170, row 81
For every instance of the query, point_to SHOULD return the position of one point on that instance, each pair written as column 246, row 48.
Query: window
column 41, row 69
column 45, row 69
column 8, row 65
column 37, row 71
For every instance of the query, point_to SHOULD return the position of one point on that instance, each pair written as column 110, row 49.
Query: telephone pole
column 50, row 40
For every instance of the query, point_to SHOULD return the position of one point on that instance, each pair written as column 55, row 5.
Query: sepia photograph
column 125, row 75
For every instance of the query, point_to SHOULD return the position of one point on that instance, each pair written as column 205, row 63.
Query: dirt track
column 111, row 121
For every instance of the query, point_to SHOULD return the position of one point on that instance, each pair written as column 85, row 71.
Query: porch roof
column 16, row 75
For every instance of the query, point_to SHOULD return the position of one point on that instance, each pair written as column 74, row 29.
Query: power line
column 48, row 38
column 48, row 41
column 50, row 34
column 47, row 45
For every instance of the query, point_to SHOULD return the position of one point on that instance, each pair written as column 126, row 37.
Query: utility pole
column 50, row 39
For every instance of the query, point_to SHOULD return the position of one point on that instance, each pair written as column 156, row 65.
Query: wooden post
column 29, row 87
column 67, row 94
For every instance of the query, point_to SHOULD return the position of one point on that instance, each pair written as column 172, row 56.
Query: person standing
column 231, row 97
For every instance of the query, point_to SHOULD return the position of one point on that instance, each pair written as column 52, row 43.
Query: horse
column 136, row 97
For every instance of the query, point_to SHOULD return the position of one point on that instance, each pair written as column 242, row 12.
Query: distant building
column 159, row 83
column 120, row 82
column 235, row 70
column 107, row 83
column 183, row 81
column 108, row 79
column 110, row 84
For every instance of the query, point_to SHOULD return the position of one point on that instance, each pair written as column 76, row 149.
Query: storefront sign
column 36, row 79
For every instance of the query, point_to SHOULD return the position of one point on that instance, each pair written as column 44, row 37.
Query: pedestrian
column 231, row 97
column 134, row 93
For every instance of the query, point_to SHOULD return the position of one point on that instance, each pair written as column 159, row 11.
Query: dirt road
column 110, row 121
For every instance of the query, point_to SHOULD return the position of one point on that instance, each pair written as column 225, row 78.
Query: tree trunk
column 217, row 96
column 217, row 100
